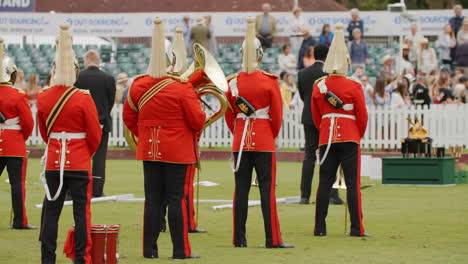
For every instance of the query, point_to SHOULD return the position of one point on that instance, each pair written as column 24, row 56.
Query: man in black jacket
column 306, row 80
column 102, row 88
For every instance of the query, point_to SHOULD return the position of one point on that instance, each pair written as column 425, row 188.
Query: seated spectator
column 368, row 90
column 308, row 41
column 358, row 72
column 406, row 65
column 32, row 88
column 445, row 43
column 427, row 58
column 459, row 90
column 443, row 96
column 122, row 80
column 421, row 95
column 287, row 61
column 400, row 96
column 458, row 73
column 462, row 35
column 381, row 97
column 358, row 49
column 327, row 36
column 308, row 58
column 288, row 89
column 461, row 56
column 387, row 72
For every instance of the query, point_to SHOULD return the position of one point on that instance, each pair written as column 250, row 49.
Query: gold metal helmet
column 251, row 50
column 7, row 67
column 65, row 68
column 161, row 51
column 338, row 60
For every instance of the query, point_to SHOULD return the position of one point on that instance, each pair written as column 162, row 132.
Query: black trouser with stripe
column 192, row 223
column 265, row 167
column 348, row 155
column 99, row 165
column 16, row 168
column 80, row 185
column 311, row 144
column 166, row 182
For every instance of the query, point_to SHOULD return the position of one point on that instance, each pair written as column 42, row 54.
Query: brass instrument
column 216, row 85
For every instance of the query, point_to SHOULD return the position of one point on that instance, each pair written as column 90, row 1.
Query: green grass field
column 411, row 224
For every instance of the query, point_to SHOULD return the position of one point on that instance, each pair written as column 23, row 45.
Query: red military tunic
column 344, row 129
column 261, row 90
column 168, row 125
column 77, row 116
column 14, row 104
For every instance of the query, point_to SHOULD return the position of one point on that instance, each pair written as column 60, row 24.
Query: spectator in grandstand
column 212, row 43
column 122, row 80
column 287, row 61
column 125, row 92
column 368, row 90
column 457, row 20
column 296, row 24
column 421, row 94
column 308, row 58
column 326, row 36
column 200, row 33
column 413, row 39
column 442, row 96
column 408, row 79
column 380, row 96
column 32, row 88
column 458, row 73
column 102, row 88
column 462, row 35
column 406, row 65
column 461, row 56
column 355, row 22
column 187, row 27
column 358, row 49
column 265, row 25
column 358, row 72
column 446, row 43
column 400, row 96
column 427, row 58
column 459, row 91
column 20, row 82
column 288, row 90
column 308, row 41
column 387, row 72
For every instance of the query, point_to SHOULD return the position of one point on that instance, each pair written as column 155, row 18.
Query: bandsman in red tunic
column 255, row 120
column 16, row 125
column 339, row 112
column 69, row 124
column 166, row 116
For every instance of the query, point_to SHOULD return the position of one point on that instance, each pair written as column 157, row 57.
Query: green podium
column 418, row 171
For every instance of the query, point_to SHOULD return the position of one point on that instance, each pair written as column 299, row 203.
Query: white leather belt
column 332, row 117
column 63, row 137
column 11, row 124
column 263, row 113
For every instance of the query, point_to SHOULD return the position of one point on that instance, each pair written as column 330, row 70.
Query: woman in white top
column 400, row 96
column 296, row 25
column 380, row 96
column 427, row 59
column 446, row 42
column 286, row 60
column 368, row 90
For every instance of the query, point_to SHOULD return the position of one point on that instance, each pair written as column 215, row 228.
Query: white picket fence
column 447, row 125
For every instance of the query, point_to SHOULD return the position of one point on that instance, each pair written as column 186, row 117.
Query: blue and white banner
column 229, row 24
column 17, row 5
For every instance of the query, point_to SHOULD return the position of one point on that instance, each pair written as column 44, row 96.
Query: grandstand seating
column 133, row 58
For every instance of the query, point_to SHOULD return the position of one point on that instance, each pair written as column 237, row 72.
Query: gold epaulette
column 319, row 79
column 178, row 78
column 353, row 79
column 44, row 89
column 136, row 77
column 232, row 76
column 18, row 89
column 84, row 91
column 270, row 74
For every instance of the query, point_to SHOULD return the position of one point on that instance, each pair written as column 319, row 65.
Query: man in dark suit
column 102, row 88
column 306, row 80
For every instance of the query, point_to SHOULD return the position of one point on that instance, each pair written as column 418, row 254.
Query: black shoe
column 304, row 201
column 27, row 227
column 198, row 230
column 320, row 233
column 336, row 201
column 189, row 257
column 359, row 235
column 154, row 254
column 240, row 245
column 282, row 245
